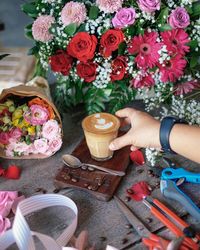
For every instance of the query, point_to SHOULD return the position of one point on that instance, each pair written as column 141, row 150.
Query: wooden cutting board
column 96, row 182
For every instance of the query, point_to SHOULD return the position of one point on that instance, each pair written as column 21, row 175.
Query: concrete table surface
column 103, row 220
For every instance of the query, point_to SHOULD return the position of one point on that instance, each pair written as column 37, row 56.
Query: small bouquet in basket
column 29, row 125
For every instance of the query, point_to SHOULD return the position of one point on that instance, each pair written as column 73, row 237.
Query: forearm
column 185, row 140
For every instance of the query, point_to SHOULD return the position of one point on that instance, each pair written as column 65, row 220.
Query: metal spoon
column 74, row 162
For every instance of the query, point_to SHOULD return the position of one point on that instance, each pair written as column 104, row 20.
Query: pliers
column 171, row 221
column 171, row 178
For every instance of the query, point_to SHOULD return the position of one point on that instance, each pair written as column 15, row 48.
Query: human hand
column 144, row 131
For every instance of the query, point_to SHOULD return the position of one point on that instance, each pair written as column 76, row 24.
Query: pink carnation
column 6, row 201
column 73, row 12
column 37, row 115
column 51, row 129
column 40, row 28
column 109, row 6
column 41, row 145
column 4, row 225
column 55, row 144
column 179, row 18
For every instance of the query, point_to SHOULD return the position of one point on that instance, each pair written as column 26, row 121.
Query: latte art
column 102, row 123
column 100, row 129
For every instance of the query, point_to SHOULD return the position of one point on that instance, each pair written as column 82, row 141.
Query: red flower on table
column 118, row 68
column 146, row 47
column 110, row 41
column 82, row 46
column 173, row 69
column 176, row 41
column 61, row 62
column 87, row 71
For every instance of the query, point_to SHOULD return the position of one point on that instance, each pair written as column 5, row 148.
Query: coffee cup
column 100, row 129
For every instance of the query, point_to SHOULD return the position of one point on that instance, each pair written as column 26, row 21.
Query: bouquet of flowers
column 30, row 126
column 109, row 51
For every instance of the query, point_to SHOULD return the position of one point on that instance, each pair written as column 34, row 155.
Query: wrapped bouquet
column 30, row 125
column 109, row 51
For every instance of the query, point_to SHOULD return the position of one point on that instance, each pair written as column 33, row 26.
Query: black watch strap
column 166, row 126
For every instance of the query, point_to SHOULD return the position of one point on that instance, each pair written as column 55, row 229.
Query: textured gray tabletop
column 103, row 220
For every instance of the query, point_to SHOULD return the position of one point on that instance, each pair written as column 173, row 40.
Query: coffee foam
column 100, row 123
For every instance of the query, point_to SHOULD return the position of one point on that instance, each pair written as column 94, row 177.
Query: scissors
column 159, row 210
column 171, row 178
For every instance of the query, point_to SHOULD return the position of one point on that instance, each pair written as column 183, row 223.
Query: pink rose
column 6, row 201
column 41, row 145
column 55, row 144
column 37, row 115
column 15, row 133
column 124, row 17
column 149, row 5
column 179, row 18
column 4, row 138
column 51, row 129
column 4, row 225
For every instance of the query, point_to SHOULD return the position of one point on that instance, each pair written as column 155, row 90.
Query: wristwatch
column 166, row 126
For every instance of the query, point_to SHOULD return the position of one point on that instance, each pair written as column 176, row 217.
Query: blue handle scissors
column 172, row 177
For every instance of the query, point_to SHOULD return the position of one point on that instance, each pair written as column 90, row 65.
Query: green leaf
column 165, row 27
column 3, row 55
column 195, row 9
column 193, row 44
column 163, row 15
column 193, row 61
column 81, row 28
column 29, row 9
column 131, row 30
column 121, row 48
column 29, row 34
column 33, row 51
column 70, row 29
column 94, row 12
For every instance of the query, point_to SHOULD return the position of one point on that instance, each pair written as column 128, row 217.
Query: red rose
column 87, row 71
column 61, row 62
column 110, row 41
column 82, row 46
column 118, row 68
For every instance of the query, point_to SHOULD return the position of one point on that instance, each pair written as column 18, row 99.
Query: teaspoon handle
column 110, row 171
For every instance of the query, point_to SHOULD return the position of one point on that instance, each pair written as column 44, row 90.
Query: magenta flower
column 173, row 69
column 186, row 87
column 40, row 28
column 176, row 41
column 146, row 49
column 4, row 138
column 37, row 115
column 179, row 18
column 109, row 6
column 73, row 12
column 149, row 5
column 140, row 81
column 124, row 17
column 15, row 133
